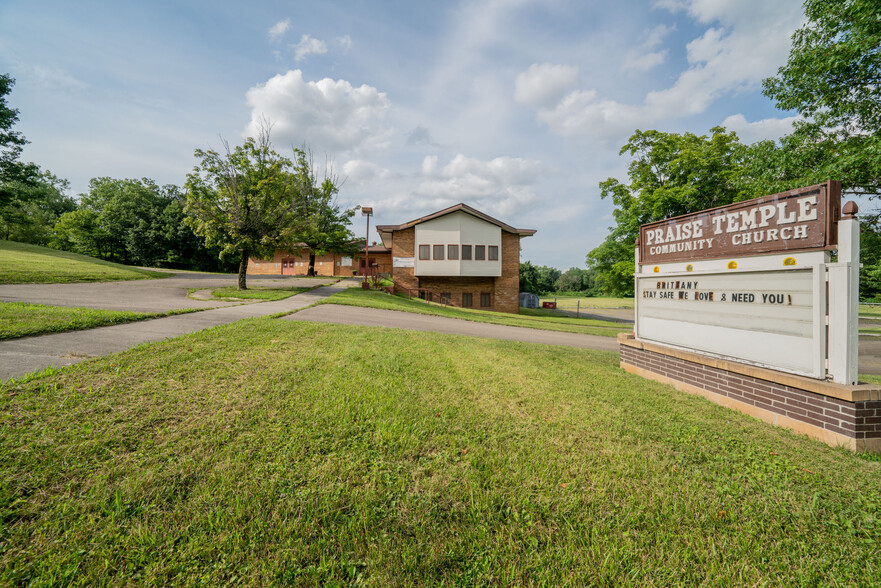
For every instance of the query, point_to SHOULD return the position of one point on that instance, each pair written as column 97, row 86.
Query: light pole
column 366, row 211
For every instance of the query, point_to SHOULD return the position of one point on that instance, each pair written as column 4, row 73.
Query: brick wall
column 507, row 293
column 403, row 244
column 780, row 399
column 263, row 267
column 456, row 286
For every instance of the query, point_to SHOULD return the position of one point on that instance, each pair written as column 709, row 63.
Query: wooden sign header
column 796, row 220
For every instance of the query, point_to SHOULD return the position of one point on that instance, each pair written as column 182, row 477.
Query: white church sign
column 754, row 282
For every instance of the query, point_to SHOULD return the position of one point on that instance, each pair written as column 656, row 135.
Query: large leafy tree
column 12, row 171
column 34, row 208
column 833, row 74
column 669, row 174
column 322, row 224
column 833, row 79
column 240, row 200
column 119, row 220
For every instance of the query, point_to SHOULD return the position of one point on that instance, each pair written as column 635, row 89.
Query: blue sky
column 516, row 107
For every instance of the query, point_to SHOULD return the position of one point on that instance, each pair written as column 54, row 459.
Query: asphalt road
column 29, row 354
column 20, row 356
column 159, row 295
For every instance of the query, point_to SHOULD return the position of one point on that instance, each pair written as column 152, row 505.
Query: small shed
column 528, row 300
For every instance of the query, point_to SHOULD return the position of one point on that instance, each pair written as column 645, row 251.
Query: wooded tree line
column 542, row 279
column 833, row 80
column 244, row 201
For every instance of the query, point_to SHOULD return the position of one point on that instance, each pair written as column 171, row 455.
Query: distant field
column 527, row 318
column 21, row 263
column 866, row 310
column 279, row 452
column 588, row 302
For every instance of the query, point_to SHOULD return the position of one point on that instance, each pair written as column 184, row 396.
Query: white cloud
column 51, row 78
column 584, row 113
column 359, row 173
column 769, row 128
column 308, row 45
column 749, row 43
column 643, row 57
column 345, row 42
column 328, row 115
column 544, row 83
column 498, row 186
column 278, row 30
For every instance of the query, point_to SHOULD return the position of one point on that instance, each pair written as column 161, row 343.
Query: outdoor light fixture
column 366, row 211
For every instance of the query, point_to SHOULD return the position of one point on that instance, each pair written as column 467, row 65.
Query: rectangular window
column 446, row 298
column 439, row 252
column 493, row 252
column 424, row 251
column 466, row 300
column 479, row 252
column 452, row 252
column 466, row 252
column 485, row 299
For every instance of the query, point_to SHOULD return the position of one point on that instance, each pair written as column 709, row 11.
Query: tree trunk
column 311, row 271
column 243, row 270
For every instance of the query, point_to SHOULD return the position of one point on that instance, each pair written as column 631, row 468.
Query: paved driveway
column 159, row 295
column 29, row 354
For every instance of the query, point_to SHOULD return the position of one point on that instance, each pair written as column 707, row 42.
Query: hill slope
column 21, row 263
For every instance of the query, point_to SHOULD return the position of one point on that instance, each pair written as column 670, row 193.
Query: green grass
column 866, row 310
column 21, row 263
column 870, row 379
column 376, row 299
column 281, row 452
column 257, row 293
column 21, row 319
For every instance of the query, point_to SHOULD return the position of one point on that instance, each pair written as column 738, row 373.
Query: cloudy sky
column 516, row 107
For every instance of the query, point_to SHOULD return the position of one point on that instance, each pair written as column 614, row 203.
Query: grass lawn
column 281, row 452
column 257, row 293
column 21, row 263
column 565, row 301
column 870, row 379
column 377, row 299
column 20, row 319
column 866, row 310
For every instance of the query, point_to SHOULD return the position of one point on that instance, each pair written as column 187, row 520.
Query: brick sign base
column 839, row 415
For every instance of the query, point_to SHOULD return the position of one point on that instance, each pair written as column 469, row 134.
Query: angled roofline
column 455, row 208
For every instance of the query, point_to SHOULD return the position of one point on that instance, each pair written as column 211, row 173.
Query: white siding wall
column 458, row 228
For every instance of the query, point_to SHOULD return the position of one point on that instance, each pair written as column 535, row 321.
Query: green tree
column 576, row 279
column 529, row 278
column 670, row 174
column 547, row 278
column 80, row 231
column 34, row 208
column 322, row 224
column 833, row 79
column 833, row 74
column 12, row 171
column 241, row 200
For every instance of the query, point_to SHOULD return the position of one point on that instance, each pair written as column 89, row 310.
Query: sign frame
column 701, row 235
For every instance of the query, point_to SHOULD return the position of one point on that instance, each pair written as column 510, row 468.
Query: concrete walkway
column 374, row 317
column 29, row 354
